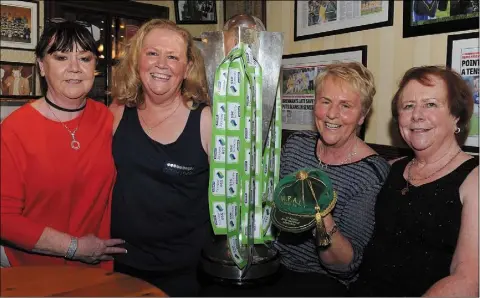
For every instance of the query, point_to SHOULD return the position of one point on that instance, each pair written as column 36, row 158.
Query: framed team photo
column 19, row 20
column 426, row 17
column 196, row 12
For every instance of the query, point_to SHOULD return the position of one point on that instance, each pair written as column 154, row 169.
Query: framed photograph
column 17, row 80
column 463, row 56
column 426, row 17
column 317, row 18
column 257, row 8
column 8, row 105
column 19, row 25
column 297, row 77
column 195, row 11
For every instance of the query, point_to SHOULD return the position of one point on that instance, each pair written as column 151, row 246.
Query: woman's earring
column 457, row 130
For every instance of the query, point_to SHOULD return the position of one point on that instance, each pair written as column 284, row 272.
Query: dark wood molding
column 388, row 152
column 118, row 8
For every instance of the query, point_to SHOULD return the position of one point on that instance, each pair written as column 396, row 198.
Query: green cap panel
column 299, row 196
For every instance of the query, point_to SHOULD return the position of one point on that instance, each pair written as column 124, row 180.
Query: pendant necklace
column 346, row 160
column 405, row 190
column 74, row 143
column 149, row 129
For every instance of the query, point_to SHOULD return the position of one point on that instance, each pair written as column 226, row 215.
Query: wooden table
column 71, row 281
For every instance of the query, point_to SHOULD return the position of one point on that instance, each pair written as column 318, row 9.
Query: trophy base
column 239, row 283
column 219, row 268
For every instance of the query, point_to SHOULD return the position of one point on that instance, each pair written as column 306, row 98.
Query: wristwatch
column 321, row 245
column 332, row 231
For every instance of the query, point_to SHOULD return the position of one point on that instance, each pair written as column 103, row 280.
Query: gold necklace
column 149, row 129
column 346, row 160
column 405, row 190
column 74, row 143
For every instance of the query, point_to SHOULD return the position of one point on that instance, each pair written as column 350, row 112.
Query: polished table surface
column 71, row 281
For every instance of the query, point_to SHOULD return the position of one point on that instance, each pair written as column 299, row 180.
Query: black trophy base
column 225, row 280
column 212, row 286
column 220, row 276
column 230, row 276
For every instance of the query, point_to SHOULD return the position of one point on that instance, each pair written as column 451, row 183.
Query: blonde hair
column 354, row 73
column 127, row 86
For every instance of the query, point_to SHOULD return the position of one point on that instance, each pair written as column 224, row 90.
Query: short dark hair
column 63, row 36
column 459, row 94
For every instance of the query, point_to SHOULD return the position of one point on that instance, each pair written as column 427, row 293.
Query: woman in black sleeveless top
column 426, row 215
column 160, row 148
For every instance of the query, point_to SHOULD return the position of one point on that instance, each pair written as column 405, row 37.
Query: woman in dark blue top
column 161, row 145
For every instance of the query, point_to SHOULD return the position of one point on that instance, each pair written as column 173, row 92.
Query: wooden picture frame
column 195, row 11
column 313, row 19
column 298, row 101
column 8, row 105
column 257, row 8
column 19, row 25
column 18, row 80
column 419, row 19
column 463, row 56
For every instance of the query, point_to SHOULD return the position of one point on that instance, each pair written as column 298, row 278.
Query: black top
column 415, row 234
column 160, row 198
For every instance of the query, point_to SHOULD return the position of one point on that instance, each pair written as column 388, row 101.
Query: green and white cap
column 301, row 199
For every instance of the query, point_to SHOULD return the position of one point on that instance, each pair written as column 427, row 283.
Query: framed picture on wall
column 257, row 8
column 463, row 56
column 297, row 77
column 319, row 18
column 19, row 28
column 195, row 11
column 17, row 80
column 426, row 17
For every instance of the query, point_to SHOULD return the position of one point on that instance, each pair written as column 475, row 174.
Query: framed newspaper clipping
column 426, row 17
column 463, row 56
column 315, row 18
column 298, row 75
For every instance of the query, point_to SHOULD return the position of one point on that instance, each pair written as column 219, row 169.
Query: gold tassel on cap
column 322, row 239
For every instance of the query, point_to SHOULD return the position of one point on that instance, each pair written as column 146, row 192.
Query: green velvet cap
column 297, row 196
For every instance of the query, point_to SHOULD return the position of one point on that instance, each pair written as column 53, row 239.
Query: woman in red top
column 57, row 169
